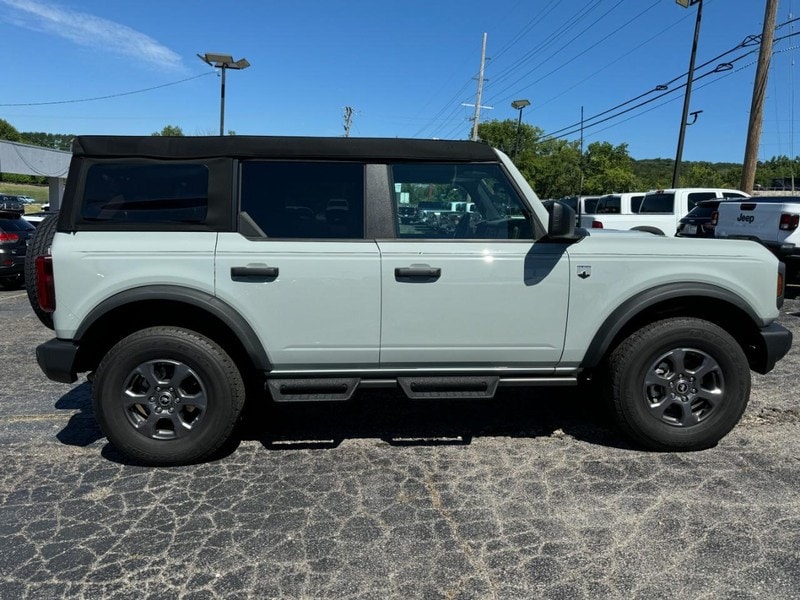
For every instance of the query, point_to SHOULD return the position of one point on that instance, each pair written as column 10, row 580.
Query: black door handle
column 254, row 272
column 417, row 273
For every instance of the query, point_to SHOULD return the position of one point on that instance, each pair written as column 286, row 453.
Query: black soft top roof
column 240, row 146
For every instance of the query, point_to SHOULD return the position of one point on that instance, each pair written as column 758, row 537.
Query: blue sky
column 404, row 66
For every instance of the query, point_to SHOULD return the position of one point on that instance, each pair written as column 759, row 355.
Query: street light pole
column 223, row 61
column 519, row 105
column 676, row 173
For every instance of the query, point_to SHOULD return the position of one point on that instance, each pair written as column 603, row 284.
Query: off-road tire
column 679, row 384
column 147, row 391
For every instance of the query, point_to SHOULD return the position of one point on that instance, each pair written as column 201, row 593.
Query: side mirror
column 562, row 221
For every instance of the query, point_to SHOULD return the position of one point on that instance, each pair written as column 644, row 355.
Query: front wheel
column 167, row 396
column 678, row 384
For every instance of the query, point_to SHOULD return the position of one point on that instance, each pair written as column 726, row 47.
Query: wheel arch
column 158, row 305
column 700, row 300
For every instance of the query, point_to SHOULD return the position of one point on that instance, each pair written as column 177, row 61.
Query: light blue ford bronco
column 188, row 276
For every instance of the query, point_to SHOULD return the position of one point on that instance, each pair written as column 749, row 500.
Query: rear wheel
column 167, row 396
column 679, row 384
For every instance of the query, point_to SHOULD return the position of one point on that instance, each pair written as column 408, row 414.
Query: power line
column 150, row 89
column 627, row 110
column 548, row 41
column 564, row 64
column 752, row 40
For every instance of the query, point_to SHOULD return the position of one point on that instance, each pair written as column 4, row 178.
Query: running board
column 418, row 388
column 340, row 389
column 337, row 389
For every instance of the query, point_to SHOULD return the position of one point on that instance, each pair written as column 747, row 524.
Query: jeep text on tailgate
column 770, row 220
column 192, row 275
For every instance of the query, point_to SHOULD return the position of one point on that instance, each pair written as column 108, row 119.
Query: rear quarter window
column 159, row 193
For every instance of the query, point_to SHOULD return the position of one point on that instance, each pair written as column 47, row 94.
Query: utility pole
column 676, row 171
column 580, row 168
column 480, row 93
column 757, row 104
column 348, row 120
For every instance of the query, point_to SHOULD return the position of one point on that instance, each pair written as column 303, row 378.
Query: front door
column 470, row 289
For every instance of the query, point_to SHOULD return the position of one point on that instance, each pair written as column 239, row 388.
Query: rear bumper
column 56, row 359
column 775, row 342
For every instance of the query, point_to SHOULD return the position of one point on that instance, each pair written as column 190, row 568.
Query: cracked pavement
column 531, row 495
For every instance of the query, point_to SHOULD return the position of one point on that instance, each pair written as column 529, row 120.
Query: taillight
column 8, row 238
column 714, row 218
column 45, row 283
column 789, row 222
column 597, row 224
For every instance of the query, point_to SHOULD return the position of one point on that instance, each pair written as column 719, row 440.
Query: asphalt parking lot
column 521, row 497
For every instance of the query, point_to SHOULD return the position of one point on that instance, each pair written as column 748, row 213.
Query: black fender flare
column 199, row 299
column 629, row 309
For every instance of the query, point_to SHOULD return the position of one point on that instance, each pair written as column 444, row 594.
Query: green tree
column 56, row 141
column 607, row 169
column 553, row 168
column 169, row 131
column 702, row 174
column 503, row 135
column 9, row 132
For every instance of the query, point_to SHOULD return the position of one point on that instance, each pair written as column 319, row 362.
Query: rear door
column 299, row 269
column 477, row 293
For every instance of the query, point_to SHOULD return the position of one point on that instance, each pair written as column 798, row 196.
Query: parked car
column 209, row 293
column 581, row 204
column 11, row 203
column 773, row 221
column 407, row 214
column 660, row 210
column 701, row 220
column 14, row 234
column 627, row 203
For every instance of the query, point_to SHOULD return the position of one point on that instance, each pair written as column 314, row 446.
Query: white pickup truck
column 660, row 211
column 771, row 220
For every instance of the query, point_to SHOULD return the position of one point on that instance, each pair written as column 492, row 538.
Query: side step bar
column 418, row 388
column 313, row 390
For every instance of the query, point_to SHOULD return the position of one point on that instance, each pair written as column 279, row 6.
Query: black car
column 11, row 203
column 14, row 234
column 701, row 221
column 407, row 214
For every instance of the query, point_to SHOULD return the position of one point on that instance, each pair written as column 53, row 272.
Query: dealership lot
column 519, row 497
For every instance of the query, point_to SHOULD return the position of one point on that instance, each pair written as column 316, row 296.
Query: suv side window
column 307, row 200
column 146, row 193
column 462, row 201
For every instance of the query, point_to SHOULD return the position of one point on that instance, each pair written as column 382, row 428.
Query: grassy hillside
column 40, row 193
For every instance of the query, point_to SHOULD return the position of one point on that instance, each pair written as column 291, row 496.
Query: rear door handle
column 254, row 272
column 417, row 273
